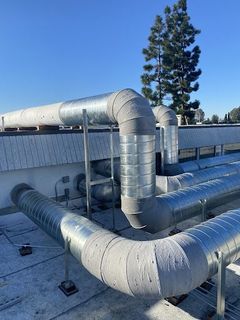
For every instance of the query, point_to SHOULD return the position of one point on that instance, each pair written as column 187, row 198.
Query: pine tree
column 181, row 59
column 153, row 76
column 171, row 69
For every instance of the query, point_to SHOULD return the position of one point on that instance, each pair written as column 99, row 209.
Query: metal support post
column 222, row 149
column 221, row 285
column 215, row 151
column 204, row 209
column 67, row 286
column 162, row 150
column 87, row 164
column 112, row 177
column 3, row 125
column 197, row 153
column 66, row 260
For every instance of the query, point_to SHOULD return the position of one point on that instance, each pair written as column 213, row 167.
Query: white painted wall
column 43, row 179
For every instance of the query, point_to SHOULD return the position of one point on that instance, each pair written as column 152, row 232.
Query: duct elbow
column 132, row 112
column 165, row 116
column 146, row 269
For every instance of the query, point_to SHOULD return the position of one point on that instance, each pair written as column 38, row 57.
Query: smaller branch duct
column 103, row 167
column 167, row 119
column 166, row 184
column 216, row 185
column 101, row 192
column 195, row 165
column 145, row 269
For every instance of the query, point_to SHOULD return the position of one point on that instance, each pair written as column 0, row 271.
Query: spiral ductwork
column 146, row 269
column 167, row 119
column 195, row 165
column 166, row 184
column 136, row 122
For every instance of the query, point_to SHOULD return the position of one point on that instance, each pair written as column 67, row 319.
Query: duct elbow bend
column 165, row 116
column 146, row 269
column 137, row 153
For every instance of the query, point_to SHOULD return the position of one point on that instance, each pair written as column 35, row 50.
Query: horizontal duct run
column 146, row 269
column 137, row 130
column 136, row 122
column 195, row 165
column 166, row 184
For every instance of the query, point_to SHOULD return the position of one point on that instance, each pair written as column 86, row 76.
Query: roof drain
column 146, row 269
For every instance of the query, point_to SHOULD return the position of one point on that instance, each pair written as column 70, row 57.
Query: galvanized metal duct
column 62, row 113
column 103, row 167
column 101, row 192
column 169, row 209
column 146, row 269
column 194, row 165
column 166, row 184
column 167, row 119
column 137, row 131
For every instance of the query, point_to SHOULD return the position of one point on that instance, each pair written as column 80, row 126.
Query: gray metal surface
column 137, row 166
column 167, row 120
column 147, row 269
column 204, row 136
column 190, row 166
column 172, row 183
column 171, row 144
column 70, row 112
column 20, row 151
column 32, row 151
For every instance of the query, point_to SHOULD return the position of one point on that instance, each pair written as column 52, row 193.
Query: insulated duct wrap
column 146, row 269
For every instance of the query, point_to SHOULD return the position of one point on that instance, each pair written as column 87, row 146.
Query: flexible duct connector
column 167, row 119
column 146, row 269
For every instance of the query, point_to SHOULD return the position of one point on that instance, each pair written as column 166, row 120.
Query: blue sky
column 54, row 50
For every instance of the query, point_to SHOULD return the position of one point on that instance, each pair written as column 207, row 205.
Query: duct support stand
column 2, row 125
column 221, row 276
column 112, row 179
column 162, row 150
column 197, row 152
column 67, row 286
column 203, row 203
column 87, row 164
column 222, row 149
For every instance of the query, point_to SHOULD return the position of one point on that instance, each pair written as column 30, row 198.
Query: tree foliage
column 172, row 59
column 153, row 76
column 235, row 114
column 199, row 115
column 215, row 119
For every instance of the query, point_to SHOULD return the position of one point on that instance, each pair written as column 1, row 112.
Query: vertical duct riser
column 171, row 144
